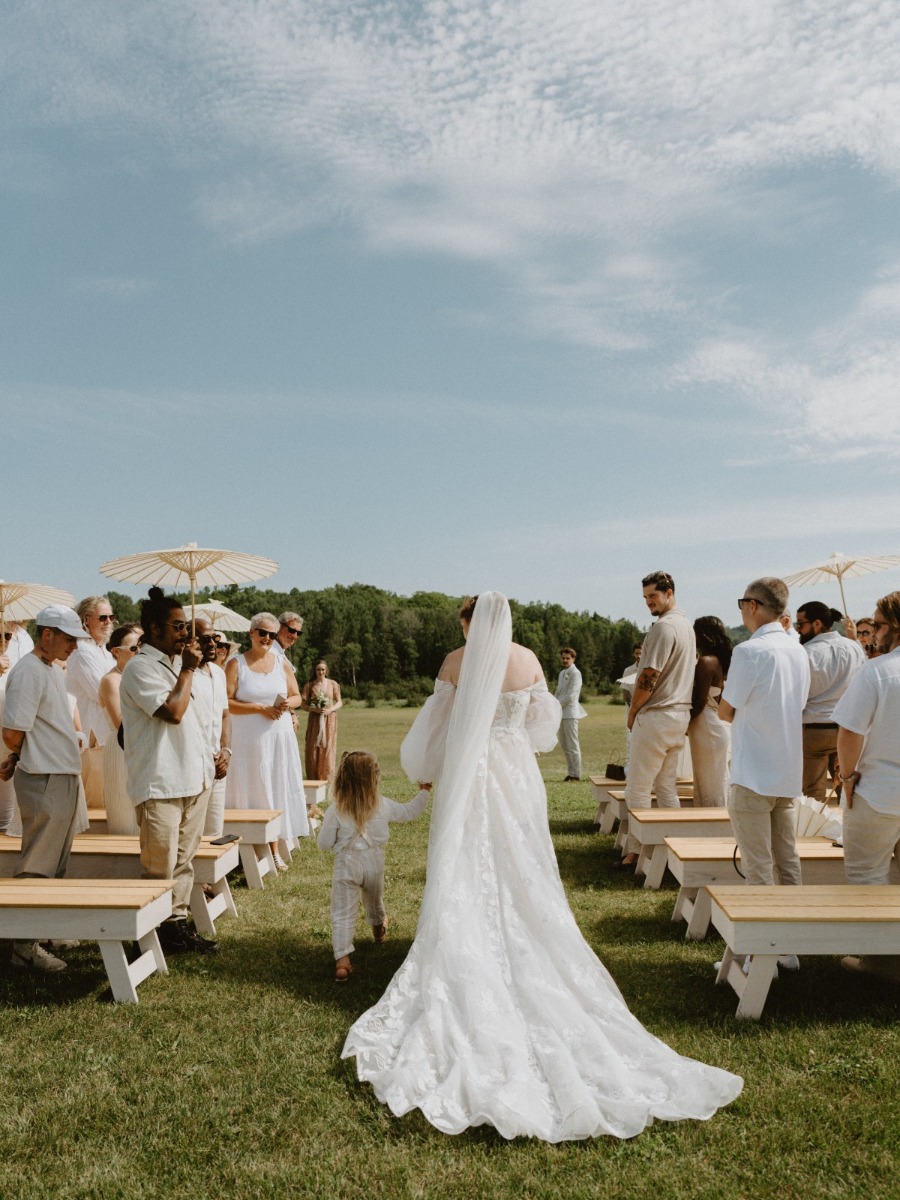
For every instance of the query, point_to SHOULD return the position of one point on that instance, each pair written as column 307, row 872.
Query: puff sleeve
column 422, row 751
column 542, row 718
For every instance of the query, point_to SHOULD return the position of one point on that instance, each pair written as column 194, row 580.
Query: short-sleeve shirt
column 163, row 761
column 871, row 706
column 210, row 694
column 767, row 686
column 37, row 705
column 671, row 649
column 833, row 661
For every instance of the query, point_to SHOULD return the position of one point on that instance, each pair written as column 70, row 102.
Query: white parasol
column 189, row 565
column 23, row 601
column 221, row 617
column 840, row 566
column 815, row 819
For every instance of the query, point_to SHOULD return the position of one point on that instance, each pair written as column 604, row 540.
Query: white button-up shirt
column 86, row 666
column 164, row 761
column 767, row 685
column 871, row 706
column 833, row 661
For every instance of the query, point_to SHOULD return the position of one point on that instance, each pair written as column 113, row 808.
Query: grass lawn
column 226, row 1079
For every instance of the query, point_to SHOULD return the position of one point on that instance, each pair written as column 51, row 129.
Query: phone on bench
column 224, row 840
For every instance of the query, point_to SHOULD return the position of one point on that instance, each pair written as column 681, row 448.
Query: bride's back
column 522, row 669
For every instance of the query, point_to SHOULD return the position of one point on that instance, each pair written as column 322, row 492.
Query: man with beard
column 168, row 759
column 833, row 661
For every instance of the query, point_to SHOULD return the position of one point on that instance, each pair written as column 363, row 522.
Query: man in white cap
column 44, row 760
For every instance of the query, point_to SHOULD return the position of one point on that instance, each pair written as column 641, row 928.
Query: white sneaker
column 789, row 962
column 280, row 864
column 33, row 954
column 64, row 943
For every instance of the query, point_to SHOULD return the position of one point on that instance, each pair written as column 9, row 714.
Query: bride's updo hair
column 356, row 786
column 468, row 609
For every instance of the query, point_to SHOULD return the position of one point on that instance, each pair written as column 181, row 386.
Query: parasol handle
column 843, row 598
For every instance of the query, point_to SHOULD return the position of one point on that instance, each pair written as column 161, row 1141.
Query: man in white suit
column 568, row 690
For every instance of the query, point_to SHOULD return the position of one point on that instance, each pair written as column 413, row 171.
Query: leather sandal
column 343, row 972
column 379, row 932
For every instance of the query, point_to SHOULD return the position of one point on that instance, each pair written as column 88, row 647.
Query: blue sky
column 453, row 295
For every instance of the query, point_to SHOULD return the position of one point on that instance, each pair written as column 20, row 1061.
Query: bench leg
column 622, row 834
column 655, row 868
column 123, row 976
column 606, row 817
column 684, row 904
column 257, row 862
column 699, row 917
column 205, row 909
column 756, row 984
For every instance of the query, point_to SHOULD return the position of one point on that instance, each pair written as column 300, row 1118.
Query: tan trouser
column 568, row 741
column 871, row 841
column 47, row 804
column 170, row 834
column 92, row 775
column 214, row 826
column 765, row 831
column 818, row 747
column 355, row 872
column 657, row 738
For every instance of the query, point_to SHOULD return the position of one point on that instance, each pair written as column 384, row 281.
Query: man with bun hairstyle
column 868, row 718
column 44, row 760
column 833, row 661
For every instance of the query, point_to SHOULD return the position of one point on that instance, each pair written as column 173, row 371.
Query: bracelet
column 226, row 750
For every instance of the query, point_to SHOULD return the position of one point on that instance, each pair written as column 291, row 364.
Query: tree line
column 381, row 646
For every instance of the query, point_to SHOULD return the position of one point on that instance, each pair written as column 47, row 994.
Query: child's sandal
column 343, row 972
column 379, row 932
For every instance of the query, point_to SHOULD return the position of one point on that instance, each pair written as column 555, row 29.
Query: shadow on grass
column 84, row 978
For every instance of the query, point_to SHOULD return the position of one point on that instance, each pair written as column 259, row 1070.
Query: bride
column 501, row 1013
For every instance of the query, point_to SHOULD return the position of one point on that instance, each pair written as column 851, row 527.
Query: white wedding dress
column 501, row 1013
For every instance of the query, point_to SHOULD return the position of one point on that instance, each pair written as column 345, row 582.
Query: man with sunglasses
column 290, row 626
column 168, row 758
column 15, row 643
column 85, row 668
column 763, row 699
column 210, row 692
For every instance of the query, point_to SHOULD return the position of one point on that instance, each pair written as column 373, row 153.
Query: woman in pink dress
column 321, row 698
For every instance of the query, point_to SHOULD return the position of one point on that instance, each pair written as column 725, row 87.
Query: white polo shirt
column 833, row 661
column 37, row 704
column 164, row 761
column 871, row 706
column 767, row 685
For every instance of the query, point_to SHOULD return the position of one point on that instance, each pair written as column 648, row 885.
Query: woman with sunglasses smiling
column 265, row 769
column 120, row 819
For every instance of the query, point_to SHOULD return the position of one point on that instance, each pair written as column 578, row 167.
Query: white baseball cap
column 63, row 618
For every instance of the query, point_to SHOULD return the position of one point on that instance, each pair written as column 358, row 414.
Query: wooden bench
column 315, row 790
column 610, row 809
column 651, row 826
column 619, row 810
column 257, row 828
column 698, row 863
column 106, row 911
column 766, row 922
column 108, row 856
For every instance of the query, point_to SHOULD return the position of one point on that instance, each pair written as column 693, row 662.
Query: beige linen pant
column 871, row 841
column 710, row 741
column 818, row 747
column 568, row 740
column 214, row 826
column 765, row 830
column 48, row 806
column 355, row 871
column 170, row 832
column 657, row 738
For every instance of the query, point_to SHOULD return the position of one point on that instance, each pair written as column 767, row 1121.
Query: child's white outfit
column 359, row 864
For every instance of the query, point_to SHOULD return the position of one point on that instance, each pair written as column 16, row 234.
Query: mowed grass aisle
column 226, row 1079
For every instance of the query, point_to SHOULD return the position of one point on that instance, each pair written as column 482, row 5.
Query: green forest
column 381, row 646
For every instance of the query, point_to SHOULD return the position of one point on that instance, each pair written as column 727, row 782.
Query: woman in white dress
column 710, row 738
column 265, row 769
column 502, row 1014
column 120, row 819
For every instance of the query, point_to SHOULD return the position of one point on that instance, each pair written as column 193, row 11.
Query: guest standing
column 120, row 819
column 321, row 698
column 265, row 768
column 710, row 738
column 568, row 693
column 86, row 667
column 210, row 677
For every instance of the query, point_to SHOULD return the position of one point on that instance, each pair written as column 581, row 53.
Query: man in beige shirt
column 660, row 705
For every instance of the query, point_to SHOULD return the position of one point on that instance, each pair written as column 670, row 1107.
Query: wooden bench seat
column 766, row 922
column 111, row 856
column 698, row 863
column 610, row 809
column 257, row 828
column 106, row 911
column 651, row 826
column 618, row 810
column 315, row 790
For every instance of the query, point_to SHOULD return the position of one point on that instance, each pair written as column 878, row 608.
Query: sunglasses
column 107, row 618
column 178, row 626
column 130, row 649
column 291, row 629
column 265, row 633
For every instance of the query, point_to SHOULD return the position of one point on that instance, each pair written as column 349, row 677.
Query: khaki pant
column 871, row 841
column 765, row 831
column 818, row 747
column 657, row 739
column 356, row 872
column 568, row 740
column 47, row 804
column 170, row 832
